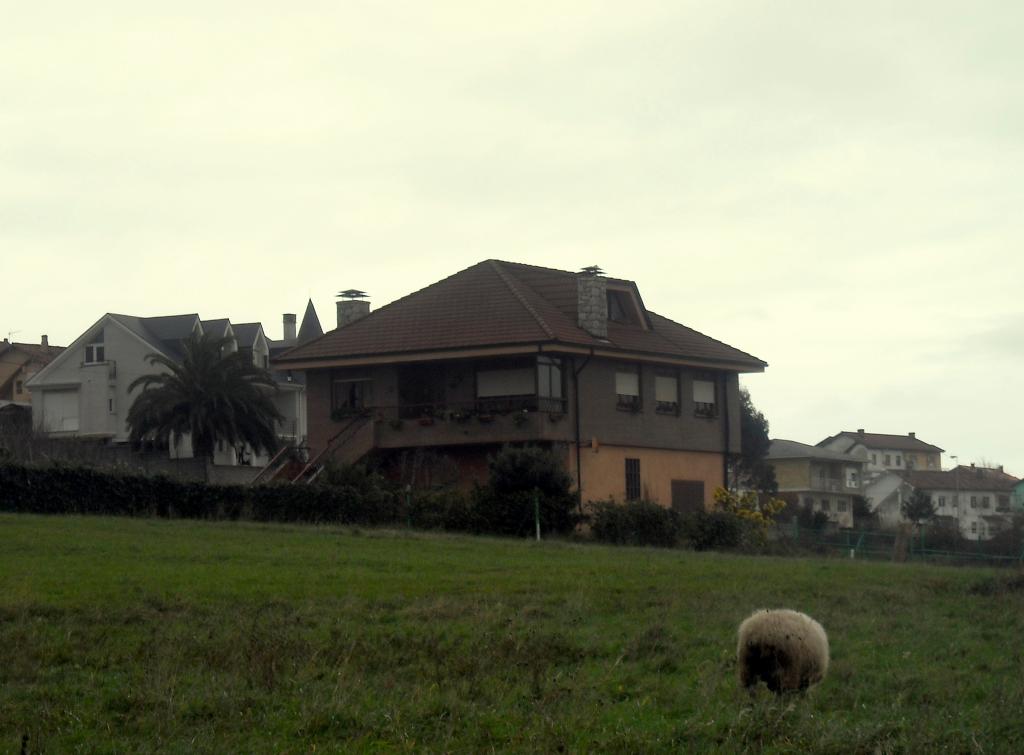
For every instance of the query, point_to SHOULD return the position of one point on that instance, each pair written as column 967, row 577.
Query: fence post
column 536, row 513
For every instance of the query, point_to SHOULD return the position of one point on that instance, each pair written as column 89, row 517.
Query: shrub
column 505, row 505
column 712, row 530
column 634, row 523
column 445, row 509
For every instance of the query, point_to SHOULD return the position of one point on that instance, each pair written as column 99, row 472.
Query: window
column 841, row 506
column 899, row 460
column 549, row 377
column 974, row 501
column 974, row 528
column 984, row 501
column 826, row 504
column 621, row 308
column 851, row 478
column 110, row 405
column 632, row 479
column 931, row 462
column 627, row 388
column 1003, row 503
column 888, row 460
column 94, row 351
column 350, row 395
column 666, row 393
column 19, row 387
column 942, row 501
column 874, row 458
column 704, row 398
column 512, row 381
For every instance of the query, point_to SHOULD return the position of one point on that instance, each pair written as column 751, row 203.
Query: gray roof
column 166, row 333
column 310, row 327
column 246, row 333
column 791, row 449
column 216, row 327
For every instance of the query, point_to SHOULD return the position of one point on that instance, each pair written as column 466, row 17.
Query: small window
column 841, row 506
column 627, row 388
column 974, row 501
column 888, row 460
column 549, row 377
column 19, row 387
column 974, row 528
column 666, row 393
column 984, row 501
column 874, row 458
column 704, row 404
column 620, row 308
column 1003, row 503
column 632, row 479
column 942, row 501
column 351, row 395
column 110, row 405
column 931, row 462
column 826, row 504
column 899, row 460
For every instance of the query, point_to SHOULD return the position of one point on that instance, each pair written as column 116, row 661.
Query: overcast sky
column 834, row 187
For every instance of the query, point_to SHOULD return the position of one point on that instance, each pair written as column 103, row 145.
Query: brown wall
column 792, row 474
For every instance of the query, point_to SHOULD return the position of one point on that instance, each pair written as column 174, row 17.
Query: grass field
column 171, row 636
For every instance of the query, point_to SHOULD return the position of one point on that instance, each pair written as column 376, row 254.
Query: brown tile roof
column 495, row 303
column 883, row 440
column 970, row 478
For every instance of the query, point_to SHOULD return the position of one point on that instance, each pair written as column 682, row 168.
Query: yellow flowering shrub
column 748, row 507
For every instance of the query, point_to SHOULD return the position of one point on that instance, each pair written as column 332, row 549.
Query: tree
column 751, row 468
column 211, row 396
column 918, row 508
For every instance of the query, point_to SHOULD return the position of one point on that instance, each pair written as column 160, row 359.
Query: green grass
column 170, row 636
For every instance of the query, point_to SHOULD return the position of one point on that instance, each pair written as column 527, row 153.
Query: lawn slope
column 174, row 636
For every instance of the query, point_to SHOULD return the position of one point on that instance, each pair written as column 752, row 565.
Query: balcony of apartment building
column 442, row 404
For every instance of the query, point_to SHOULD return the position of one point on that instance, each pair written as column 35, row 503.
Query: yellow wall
column 792, row 474
column 604, row 472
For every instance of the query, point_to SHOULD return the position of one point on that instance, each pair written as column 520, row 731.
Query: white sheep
column 787, row 650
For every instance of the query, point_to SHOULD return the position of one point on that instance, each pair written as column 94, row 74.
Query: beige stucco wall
column 604, row 472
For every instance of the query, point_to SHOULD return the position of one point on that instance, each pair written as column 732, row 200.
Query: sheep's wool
column 787, row 650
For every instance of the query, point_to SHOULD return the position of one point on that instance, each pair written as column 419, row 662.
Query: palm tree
column 210, row 395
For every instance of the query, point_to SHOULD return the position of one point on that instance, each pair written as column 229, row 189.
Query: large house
column 884, row 452
column 636, row 405
column 978, row 499
column 819, row 478
column 83, row 393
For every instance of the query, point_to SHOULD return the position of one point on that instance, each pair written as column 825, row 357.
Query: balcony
column 516, row 419
column 827, row 485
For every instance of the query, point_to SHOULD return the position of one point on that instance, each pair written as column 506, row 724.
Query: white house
column 884, row 452
column 83, row 393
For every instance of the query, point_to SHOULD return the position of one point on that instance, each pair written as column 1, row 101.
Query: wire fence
column 923, row 545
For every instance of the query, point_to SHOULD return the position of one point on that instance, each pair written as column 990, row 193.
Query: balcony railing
column 481, row 407
column 826, row 484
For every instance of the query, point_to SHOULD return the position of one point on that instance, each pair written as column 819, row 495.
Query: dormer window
column 94, row 351
column 621, row 308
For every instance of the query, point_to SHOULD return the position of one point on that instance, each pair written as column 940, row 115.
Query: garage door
column 60, row 411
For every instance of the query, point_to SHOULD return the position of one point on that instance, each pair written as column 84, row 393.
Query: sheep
column 787, row 650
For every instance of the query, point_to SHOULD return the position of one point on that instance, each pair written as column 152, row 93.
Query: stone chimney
column 289, row 326
column 45, row 340
column 592, row 301
column 912, row 435
column 352, row 307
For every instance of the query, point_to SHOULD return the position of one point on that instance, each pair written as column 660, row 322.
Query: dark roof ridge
column 508, row 281
column 568, row 273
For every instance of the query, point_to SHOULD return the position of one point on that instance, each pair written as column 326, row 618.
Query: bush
column 443, row 510
column 634, row 523
column 712, row 530
column 505, row 505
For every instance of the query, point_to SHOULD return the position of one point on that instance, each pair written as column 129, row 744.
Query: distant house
column 83, row 393
column 636, row 405
column 18, row 363
column 979, row 499
column 819, row 478
column 884, row 452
